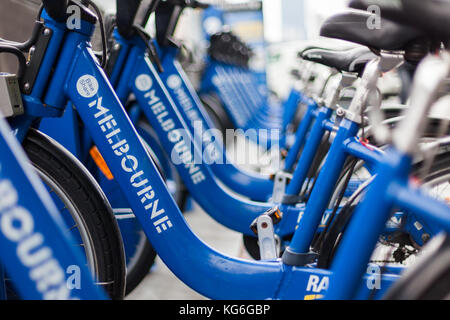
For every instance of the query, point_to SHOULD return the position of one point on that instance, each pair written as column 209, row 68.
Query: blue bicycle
column 78, row 78
column 38, row 254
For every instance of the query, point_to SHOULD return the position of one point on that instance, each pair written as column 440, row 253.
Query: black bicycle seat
column 353, row 26
column 353, row 60
column 327, row 44
column 432, row 16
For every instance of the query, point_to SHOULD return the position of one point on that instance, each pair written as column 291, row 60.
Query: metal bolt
column 26, row 86
column 425, row 237
column 46, row 31
column 340, row 112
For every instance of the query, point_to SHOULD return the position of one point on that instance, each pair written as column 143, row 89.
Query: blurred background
column 274, row 29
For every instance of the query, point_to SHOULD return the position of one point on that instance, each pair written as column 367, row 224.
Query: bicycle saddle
column 432, row 16
column 353, row 26
column 353, row 60
column 327, row 44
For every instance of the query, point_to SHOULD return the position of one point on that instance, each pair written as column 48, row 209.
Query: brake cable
column 350, row 170
column 152, row 52
column 102, row 30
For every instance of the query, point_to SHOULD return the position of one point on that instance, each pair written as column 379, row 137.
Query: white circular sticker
column 87, row 86
column 174, row 81
column 212, row 25
column 143, row 82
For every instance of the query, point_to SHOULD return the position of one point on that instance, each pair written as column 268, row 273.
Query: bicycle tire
column 61, row 167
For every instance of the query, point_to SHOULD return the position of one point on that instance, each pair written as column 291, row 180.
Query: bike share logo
column 143, row 82
column 87, row 86
column 174, row 82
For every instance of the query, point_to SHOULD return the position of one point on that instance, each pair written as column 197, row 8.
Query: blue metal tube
column 255, row 186
column 309, row 151
column 300, row 135
column 366, row 225
column 123, row 54
column 323, row 189
column 436, row 212
column 290, row 106
column 370, row 154
column 45, row 70
column 235, row 213
column 153, row 205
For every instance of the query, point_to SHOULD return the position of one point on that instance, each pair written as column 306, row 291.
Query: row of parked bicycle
column 358, row 208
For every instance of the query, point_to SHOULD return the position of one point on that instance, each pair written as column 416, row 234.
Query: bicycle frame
column 247, row 108
column 132, row 66
column 78, row 78
column 393, row 186
column 235, row 213
column 190, row 107
column 392, row 182
column 37, row 250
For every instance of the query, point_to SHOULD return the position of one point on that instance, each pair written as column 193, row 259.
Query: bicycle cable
column 102, row 30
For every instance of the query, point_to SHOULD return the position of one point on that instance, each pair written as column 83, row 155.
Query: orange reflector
column 100, row 162
column 278, row 214
column 313, row 296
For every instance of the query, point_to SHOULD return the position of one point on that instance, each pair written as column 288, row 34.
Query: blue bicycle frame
column 37, row 250
column 393, row 186
column 255, row 186
column 78, row 78
column 247, row 108
column 132, row 69
column 235, row 213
